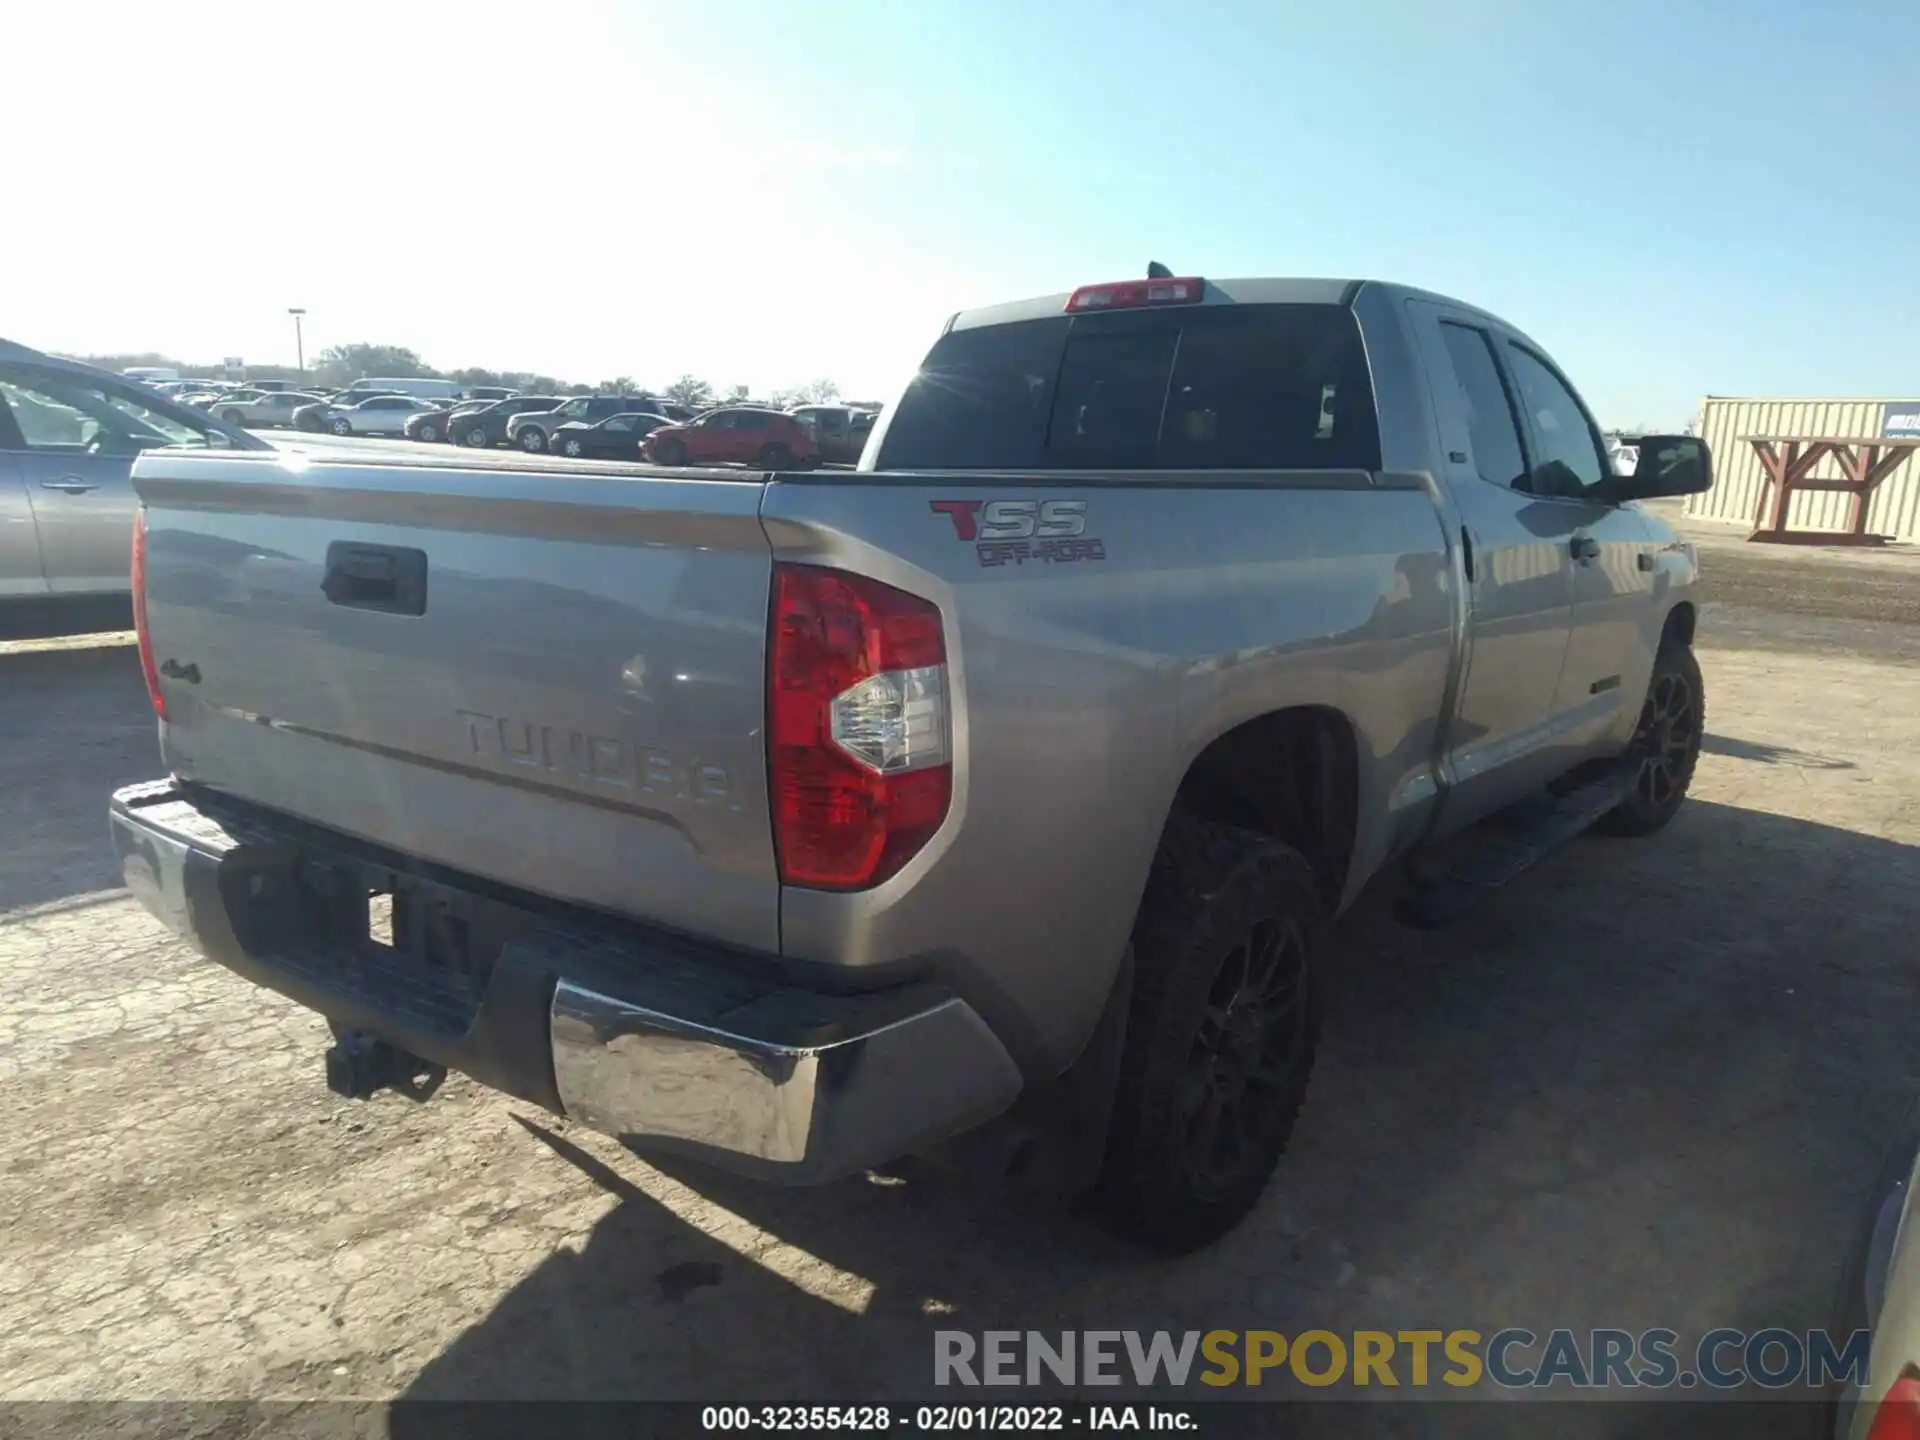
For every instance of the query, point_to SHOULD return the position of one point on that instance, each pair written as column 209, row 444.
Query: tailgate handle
column 389, row 578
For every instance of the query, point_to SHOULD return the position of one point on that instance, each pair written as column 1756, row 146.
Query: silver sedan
column 275, row 408
column 382, row 415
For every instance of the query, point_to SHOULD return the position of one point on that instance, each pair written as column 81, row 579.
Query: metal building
column 1740, row 486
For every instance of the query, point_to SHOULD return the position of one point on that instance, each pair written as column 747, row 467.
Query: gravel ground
column 1646, row 1085
column 1767, row 602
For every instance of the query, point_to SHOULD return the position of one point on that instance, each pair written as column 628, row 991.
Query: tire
column 341, row 427
column 1212, row 1055
column 477, row 437
column 1666, row 745
column 429, row 433
column 775, row 456
column 572, row 447
column 533, row 439
column 234, row 417
column 672, row 452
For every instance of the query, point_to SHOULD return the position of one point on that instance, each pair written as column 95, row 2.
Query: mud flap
column 1053, row 1140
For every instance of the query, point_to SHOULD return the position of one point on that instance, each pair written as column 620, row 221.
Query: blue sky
column 1722, row 202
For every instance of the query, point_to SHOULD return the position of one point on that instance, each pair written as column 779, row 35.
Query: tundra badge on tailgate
column 506, row 740
column 1016, row 531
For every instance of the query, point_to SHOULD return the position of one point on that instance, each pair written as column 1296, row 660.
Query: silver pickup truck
column 993, row 801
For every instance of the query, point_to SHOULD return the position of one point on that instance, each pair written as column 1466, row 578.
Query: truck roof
column 1267, row 290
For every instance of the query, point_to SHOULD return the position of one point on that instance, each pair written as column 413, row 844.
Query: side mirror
column 1668, row 465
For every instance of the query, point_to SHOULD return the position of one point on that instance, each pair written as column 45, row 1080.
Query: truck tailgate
column 552, row 679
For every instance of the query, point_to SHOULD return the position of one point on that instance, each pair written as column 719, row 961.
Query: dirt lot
column 1646, row 1086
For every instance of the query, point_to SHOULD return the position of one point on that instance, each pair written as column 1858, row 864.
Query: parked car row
column 221, row 397
column 184, row 391
column 357, row 410
column 626, row 427
column 534, row 430
column 71, row 432
column 205, row 394
column 621, row 427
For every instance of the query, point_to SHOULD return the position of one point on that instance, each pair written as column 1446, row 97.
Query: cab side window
column 1492, row 428
column 45, row 422
column 1568, row 457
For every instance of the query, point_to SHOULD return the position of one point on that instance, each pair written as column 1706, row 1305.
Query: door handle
column 388, row 578
column 1585, row 548
column 70, row 485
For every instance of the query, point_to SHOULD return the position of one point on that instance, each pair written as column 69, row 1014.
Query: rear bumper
column 658, row 1041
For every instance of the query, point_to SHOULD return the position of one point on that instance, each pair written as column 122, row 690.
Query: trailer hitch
column 359, row 1064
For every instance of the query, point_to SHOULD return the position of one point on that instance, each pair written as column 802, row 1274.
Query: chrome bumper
column 664, row 1044
column 797, row 1083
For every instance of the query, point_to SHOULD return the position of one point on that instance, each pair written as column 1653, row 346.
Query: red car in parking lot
column 745, row 434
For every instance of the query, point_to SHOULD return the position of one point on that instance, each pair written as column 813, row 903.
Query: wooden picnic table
column 1789, row 460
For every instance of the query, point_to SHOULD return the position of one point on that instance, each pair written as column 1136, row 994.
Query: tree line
column 339, row 365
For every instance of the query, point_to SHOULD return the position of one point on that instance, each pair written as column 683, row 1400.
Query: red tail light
column 857, row 727
column 1133, row 294
column 1898, row 1417
column 140, row 612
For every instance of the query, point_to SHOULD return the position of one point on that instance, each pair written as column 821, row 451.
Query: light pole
column 299, row 344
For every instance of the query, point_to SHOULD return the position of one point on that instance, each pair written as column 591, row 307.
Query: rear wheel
column 572, row 447
column 1221, row 1029
column 477, row 437
column 341, row 427
column 533, row 440
column 1666, row 745
column 775, row 456
column 429, row 432
column 672, row 452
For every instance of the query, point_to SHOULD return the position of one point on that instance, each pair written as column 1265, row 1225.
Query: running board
column 1532, row 834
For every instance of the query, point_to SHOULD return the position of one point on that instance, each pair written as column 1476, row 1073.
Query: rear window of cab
column 1215, row 387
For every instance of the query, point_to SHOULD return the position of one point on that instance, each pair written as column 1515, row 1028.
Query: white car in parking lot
column 275, row 408
column 381, row 415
